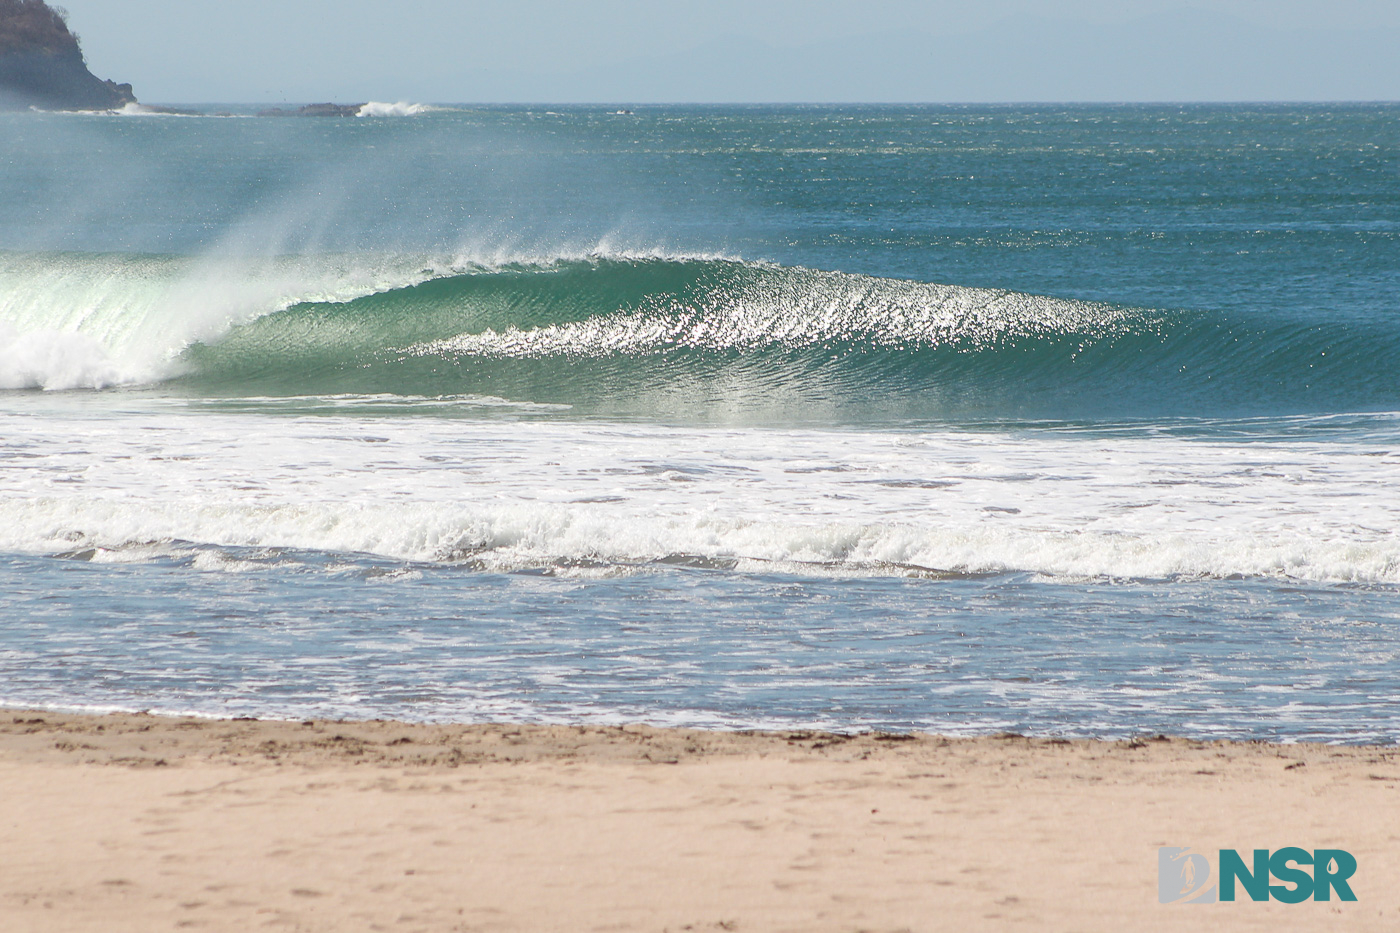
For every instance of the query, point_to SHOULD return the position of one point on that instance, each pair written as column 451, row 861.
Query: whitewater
column 1075, row 421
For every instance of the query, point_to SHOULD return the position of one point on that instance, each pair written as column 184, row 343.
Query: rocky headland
column 41, row 64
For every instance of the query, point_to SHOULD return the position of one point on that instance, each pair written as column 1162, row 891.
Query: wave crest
column 377, row 108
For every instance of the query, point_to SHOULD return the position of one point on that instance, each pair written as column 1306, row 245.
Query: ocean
column 1058, row 420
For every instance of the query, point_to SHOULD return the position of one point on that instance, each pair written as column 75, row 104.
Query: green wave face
column 707, row 339
column 720, row 339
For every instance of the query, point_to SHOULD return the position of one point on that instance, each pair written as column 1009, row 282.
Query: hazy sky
column 743, row 50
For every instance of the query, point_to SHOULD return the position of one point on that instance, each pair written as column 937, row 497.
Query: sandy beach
column 142, row 823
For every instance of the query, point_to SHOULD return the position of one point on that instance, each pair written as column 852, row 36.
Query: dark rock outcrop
column 316, row 110
column 41, row 63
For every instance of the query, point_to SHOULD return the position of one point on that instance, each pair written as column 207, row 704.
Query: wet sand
column 144, row 823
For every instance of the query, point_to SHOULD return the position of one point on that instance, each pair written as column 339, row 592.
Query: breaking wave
column 377, row 108
column 658, row 335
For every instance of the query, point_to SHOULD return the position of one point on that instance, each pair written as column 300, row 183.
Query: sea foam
column 54, row 360
column 600, row 498
column 399, row 109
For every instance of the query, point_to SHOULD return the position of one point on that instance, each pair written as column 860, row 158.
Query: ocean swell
column 645, row 336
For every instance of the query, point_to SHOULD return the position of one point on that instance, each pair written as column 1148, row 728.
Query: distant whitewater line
column 373, row 109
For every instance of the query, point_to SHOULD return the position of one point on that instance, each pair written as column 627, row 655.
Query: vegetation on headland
column 34, row 26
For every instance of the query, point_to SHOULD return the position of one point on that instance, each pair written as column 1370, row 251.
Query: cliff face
column 41, row 63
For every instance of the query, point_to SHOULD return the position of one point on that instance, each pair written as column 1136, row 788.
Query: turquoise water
column 1075, row 420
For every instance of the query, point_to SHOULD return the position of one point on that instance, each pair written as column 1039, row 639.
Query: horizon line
column 1294, row 102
